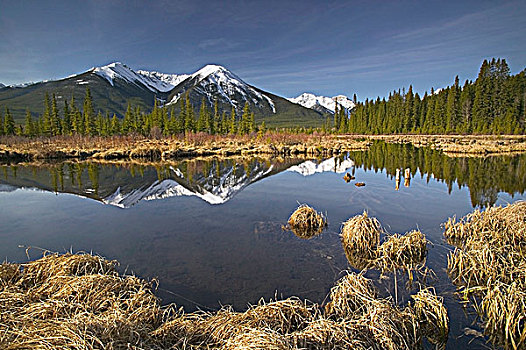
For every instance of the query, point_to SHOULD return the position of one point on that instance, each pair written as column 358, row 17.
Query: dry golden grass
column 430, row 310
column 75, row 302
column 360, row 237
column 489, row 263
column 405, row 252
column 79, row 301
column 17, row 148
column 361, row 241
column 306, row 222
column 462, row 145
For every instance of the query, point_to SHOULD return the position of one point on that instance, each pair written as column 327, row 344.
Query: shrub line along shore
column 22, row 149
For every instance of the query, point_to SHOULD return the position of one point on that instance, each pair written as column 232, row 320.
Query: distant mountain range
column 323, row 104
column 115, row 85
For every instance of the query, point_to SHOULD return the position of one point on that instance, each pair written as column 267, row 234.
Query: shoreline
column 23, row 149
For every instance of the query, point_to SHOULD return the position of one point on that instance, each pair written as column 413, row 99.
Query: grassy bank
column 79, row 301
column 17, row 148
column 190, row 145
column 462, row 145
column 489, row 267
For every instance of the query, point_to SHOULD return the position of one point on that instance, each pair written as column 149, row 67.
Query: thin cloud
column 218, row 44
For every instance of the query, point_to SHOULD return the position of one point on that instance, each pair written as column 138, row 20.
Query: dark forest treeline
column 493, row 104
column 72, row 119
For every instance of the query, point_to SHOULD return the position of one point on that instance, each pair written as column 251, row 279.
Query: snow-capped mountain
column 114, row 85
column 333, row 165
column 323, row 104
column 218, row 83
column 1, row 85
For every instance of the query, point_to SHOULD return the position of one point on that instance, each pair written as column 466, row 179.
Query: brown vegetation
column 361, row 241
column 79, row 301
column 489, row 263
column 306, row 222
column 190, row 145
column 462, row 145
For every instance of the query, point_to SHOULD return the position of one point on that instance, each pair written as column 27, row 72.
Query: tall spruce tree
column 9, row 123
column 88, row 114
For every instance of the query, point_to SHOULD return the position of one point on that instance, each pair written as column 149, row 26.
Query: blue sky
column 286, row 47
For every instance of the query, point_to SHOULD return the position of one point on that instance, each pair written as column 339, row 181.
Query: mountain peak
column 210, row 69
column 323, row 104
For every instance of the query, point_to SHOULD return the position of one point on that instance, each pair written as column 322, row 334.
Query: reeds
column 430, row 310
column 74, row 301
column 489, row 263
column 79, row 301
column 361, row 241
column 405, row 252
column 306, row 222
column 360, row 237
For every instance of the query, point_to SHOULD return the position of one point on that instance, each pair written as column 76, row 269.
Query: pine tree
column 216, row 124
column 1, row 124
column 233, row 126
column 55, row 118
column 244, row 125
column 202, row 120
column 115, row 125
column 29, row 129
column 66, row 121
column 9, row 123
column 189, row 123
column 252, row 123
column 46, row 119
column 88, row 114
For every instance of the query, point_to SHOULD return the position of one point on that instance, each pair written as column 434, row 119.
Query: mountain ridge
column 115, row 85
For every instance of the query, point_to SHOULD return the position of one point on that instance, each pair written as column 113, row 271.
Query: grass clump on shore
column 74, row 301
column 306, row 222
column 79, row 301
column 489, row 264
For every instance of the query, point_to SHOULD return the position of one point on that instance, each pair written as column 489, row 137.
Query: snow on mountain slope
column 154, row 81
column 211, row 80
column 162, row 81
column 215, row 80
column 322, row 102
column 1, row 85
column 334, row 165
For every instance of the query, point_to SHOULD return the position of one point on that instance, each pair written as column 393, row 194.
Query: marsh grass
column 306, row 222
column 79, row 301
column 361, row 236
column 489, row 265
column 405, row 252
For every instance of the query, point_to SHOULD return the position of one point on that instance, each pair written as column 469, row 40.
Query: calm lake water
column 211, row 230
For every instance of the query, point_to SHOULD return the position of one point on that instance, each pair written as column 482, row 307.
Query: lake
column 210, row 230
